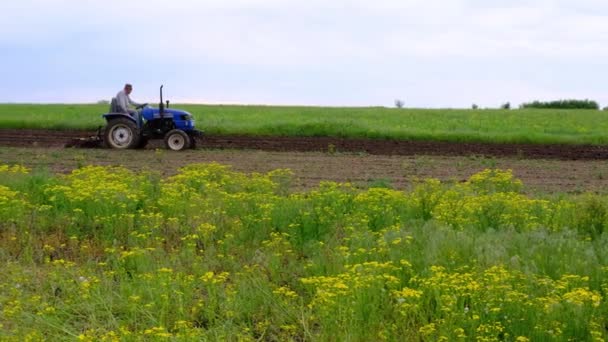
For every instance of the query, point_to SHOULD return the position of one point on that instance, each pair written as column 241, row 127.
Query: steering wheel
column 141, row 106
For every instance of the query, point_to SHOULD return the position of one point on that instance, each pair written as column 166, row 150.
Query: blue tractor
column 175, row 126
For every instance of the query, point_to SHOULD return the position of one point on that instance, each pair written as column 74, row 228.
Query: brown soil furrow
column 51, row 138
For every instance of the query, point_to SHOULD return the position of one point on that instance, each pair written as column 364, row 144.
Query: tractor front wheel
column 177, row 140
column 121, row 134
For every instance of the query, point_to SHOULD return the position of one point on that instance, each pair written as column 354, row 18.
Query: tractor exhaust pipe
column 161, row 107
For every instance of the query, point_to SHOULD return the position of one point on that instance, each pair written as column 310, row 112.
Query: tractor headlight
column 187, row 117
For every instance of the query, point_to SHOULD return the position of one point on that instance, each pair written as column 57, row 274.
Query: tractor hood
column 154, row 113
column 176, row 112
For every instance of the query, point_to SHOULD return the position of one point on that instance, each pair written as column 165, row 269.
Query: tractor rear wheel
column 177, row 140
column 121, row 134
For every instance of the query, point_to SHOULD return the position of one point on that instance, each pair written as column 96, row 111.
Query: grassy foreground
column 209, row 254
column 519, row 126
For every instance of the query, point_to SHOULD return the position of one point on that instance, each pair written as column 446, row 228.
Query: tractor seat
column 114, row 106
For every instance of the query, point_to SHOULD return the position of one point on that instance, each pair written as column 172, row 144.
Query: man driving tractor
column 123, row 100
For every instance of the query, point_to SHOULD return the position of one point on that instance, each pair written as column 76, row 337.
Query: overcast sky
column 429, row 53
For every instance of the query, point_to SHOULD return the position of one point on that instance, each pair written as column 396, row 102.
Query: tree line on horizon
column 557, row 104
column 562, row 104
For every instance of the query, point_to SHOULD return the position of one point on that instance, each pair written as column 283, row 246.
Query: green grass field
column 510, row 126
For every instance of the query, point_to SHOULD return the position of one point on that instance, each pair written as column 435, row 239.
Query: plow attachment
column 94, row 141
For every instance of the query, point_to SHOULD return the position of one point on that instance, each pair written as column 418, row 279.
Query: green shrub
column 563, row 104
column 591, row 215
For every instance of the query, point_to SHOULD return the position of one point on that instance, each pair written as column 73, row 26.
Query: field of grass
column 104, row 253
column 517, row 126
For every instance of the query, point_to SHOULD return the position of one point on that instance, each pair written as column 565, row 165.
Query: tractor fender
column 112, row 116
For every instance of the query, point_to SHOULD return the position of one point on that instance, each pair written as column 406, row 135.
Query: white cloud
column 357, row 41
column 299, row 32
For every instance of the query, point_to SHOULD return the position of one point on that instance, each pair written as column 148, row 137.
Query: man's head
column 128, row 88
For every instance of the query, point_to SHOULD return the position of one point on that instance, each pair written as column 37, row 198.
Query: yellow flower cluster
column 477, row 296
column 214, row 278
column 496, row 210
column 492, row 180
column 332, row 293
column 489, row 199
column 98, row 186
column 12, row 206
column 14, row 169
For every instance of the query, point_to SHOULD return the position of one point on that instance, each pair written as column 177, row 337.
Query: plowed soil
column 539, row 175
column 49, row 138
